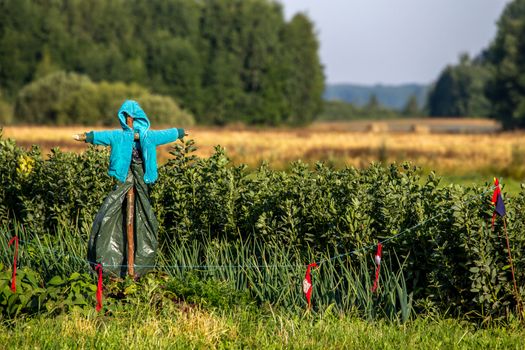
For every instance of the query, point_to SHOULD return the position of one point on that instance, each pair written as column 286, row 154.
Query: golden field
column 449, row 146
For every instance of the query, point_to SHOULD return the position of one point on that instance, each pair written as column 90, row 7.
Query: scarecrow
column 124, row 234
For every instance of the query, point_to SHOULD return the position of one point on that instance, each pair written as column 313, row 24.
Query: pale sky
column 397, row 41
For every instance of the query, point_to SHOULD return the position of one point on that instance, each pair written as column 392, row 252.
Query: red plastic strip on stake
column 497, row 201
column 378, row 265
column 15, row 258
column 307, row 284
column 98, row 268
column 497, row 191
column 495, row 194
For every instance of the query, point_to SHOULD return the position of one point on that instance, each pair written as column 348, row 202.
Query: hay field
column 443, row 145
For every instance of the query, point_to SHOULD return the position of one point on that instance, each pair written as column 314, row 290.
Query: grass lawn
column 189, row 327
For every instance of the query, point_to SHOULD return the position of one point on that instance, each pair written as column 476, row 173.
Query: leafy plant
column 257, row 229
column 59, row 294
column 30, row 295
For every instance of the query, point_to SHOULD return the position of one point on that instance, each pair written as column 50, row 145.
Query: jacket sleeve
column 161, row 137
column 103, row 138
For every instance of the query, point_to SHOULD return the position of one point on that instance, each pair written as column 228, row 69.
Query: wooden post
column 130, row 211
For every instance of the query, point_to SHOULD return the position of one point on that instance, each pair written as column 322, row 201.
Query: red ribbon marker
column 307, row 284
column 497, row 201
column 13, row 278
column 99, row 287
column 378, row 264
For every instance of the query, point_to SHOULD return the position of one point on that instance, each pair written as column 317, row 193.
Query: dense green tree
column 506, row 89
column 494, row 83
column 222, row 61
column 306, row 79
column 460, row 90
column 242, row 52
column 225, row 60
column 19, row 44
column 175, row 69
column 260, row 42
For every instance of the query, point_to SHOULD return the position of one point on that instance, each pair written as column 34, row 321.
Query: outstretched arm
column 161, row 137
column 103, row 138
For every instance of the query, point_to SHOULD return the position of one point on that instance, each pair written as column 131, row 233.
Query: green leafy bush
column 59, row 294
column 160, row 290
column 42, row 194
column 162, row 110
column 209, row 293
column 29, row 296
column 77, row 292
column 45, row 101
column 209, row 209
column 68, row 98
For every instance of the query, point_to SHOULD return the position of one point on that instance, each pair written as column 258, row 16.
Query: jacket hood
column 140, row 119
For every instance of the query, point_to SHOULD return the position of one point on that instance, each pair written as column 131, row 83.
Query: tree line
column 222, row 60
column 491, row 84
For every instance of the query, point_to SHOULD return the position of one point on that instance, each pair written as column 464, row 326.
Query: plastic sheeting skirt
column 108, row 243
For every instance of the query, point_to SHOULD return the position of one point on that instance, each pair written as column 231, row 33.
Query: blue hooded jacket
column 122, row 142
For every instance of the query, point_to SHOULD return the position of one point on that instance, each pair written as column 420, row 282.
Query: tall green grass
column 270, row 273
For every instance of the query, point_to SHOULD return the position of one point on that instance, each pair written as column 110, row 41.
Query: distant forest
column 492, row 83
column 221, row 60
column 390, row 96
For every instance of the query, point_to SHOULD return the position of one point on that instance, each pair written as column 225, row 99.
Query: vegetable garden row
column 230, row 233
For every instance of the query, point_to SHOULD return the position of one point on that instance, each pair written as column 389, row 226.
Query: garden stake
column 497, row 201
column 378, row 266
column 13, row 277
column 98, row 269
column 130, row 209
column 499, row 209
column 307, row 285
column 517, row 295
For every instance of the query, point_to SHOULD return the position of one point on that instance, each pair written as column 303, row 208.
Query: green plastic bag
column 107, row 243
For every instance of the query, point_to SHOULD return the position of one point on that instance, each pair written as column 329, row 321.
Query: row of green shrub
column 36, row 294
column 63, row 98
column 452, row 262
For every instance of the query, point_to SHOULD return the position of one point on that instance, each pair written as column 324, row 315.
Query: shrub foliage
column 452, row 260
column 64, row 98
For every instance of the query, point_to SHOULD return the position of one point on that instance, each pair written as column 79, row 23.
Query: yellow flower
column 25, row 165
